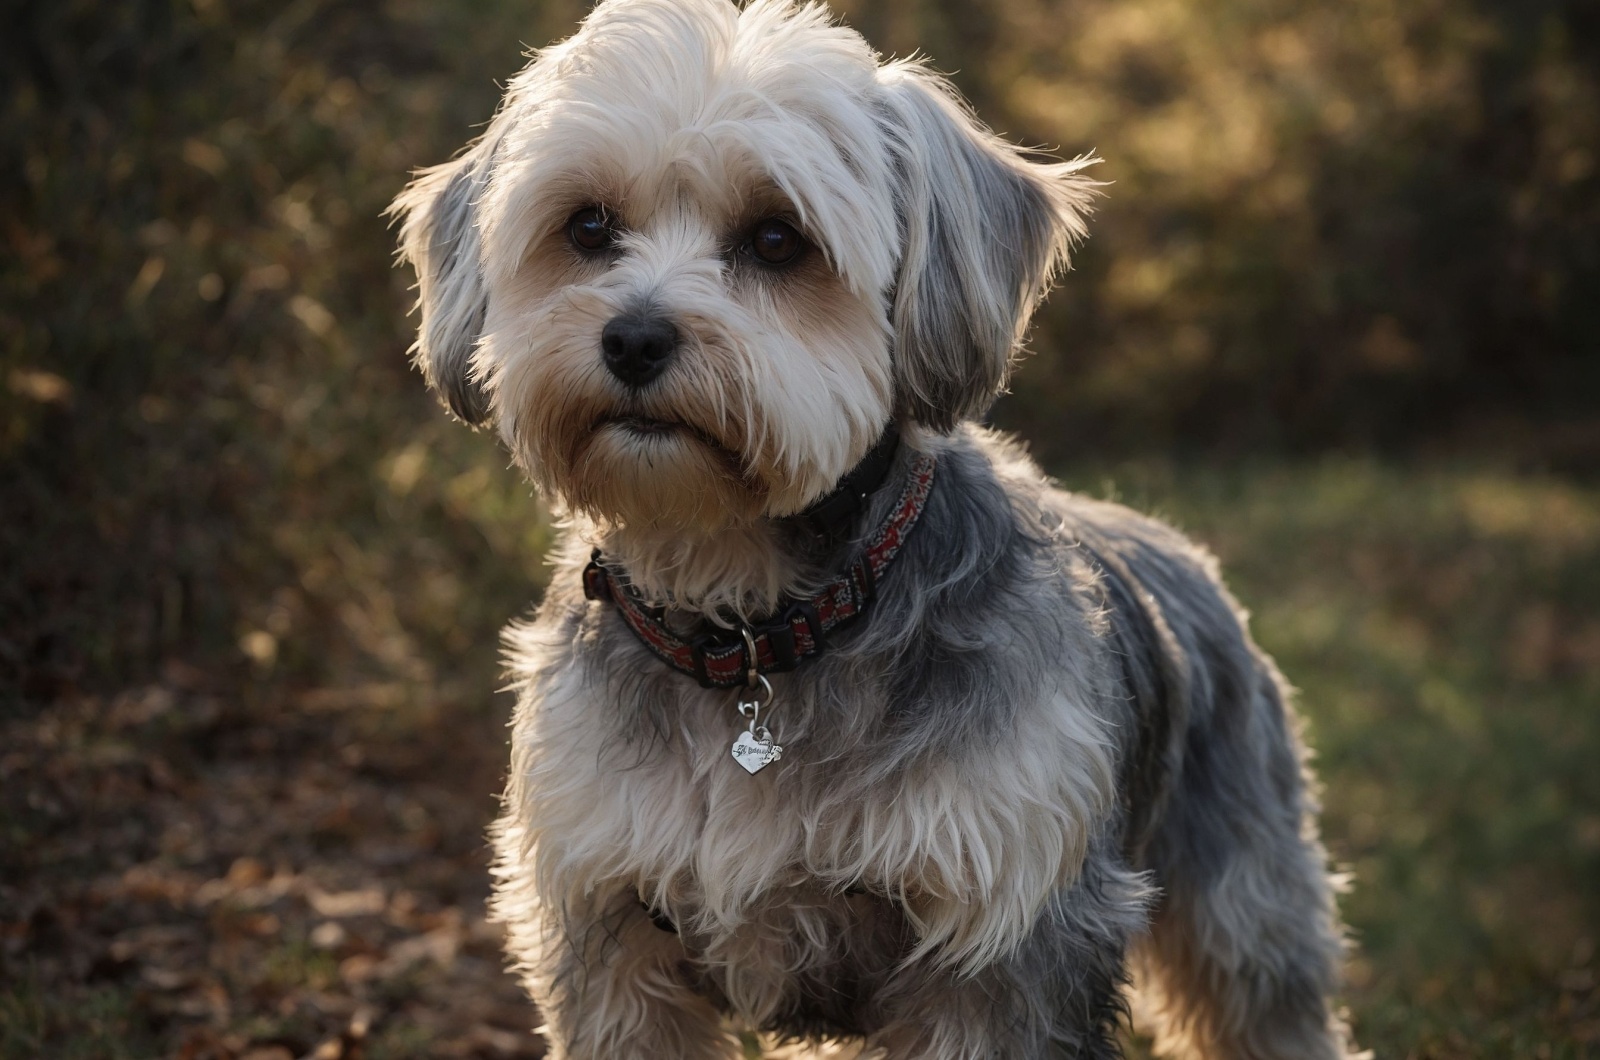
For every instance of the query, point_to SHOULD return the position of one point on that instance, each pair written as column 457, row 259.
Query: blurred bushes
column 1369, row 224
column 213, row 447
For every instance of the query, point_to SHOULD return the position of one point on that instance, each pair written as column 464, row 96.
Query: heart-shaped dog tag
column 754, row 752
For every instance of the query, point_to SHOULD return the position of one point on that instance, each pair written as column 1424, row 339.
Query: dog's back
column 1219, row 805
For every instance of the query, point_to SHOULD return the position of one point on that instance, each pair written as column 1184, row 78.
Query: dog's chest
column 710, row 807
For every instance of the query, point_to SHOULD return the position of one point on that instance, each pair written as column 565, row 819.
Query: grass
column 1440, row 626
column 1438, row 620
column 37, row 1020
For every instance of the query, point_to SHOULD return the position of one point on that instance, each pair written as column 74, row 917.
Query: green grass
column 1440, row 626
column 38, row 1019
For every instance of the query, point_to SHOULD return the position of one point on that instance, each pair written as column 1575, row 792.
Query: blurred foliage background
column 1338, row 318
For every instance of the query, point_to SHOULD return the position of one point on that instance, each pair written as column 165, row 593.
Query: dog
column 839, row 725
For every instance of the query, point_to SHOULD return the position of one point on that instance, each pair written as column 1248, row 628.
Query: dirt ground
column 211, row 880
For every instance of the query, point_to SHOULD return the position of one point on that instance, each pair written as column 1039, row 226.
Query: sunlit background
column 1339, row 318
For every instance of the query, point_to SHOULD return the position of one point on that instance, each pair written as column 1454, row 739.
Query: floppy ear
column 983, row 232
column 439, row 236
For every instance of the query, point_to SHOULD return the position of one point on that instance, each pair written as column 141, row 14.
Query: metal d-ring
column 752, row 665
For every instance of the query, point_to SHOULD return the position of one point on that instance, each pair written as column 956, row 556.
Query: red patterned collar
column 720, row 658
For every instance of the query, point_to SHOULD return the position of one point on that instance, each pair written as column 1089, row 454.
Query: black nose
column 638, row 348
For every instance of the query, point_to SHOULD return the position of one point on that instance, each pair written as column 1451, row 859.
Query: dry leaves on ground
column 193, row 878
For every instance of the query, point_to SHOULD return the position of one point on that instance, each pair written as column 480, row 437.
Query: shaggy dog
column 840, row 725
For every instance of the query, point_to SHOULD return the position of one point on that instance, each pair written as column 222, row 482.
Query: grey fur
column 439, row 236
column 1006, row 588
column 1049, row 761
column 983, row 233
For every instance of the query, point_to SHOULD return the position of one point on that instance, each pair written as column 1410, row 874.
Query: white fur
column 682, row 116
column 974, row 845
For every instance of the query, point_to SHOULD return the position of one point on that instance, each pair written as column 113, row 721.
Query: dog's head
column 703, row 254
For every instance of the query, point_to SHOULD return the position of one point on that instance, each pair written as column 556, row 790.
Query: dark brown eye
column 590, row 229
column 775, row 242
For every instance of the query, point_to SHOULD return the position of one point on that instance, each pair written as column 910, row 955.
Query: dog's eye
column 775, row 242
column 591, row 229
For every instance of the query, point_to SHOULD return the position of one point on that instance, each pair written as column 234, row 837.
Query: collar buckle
column 596, row 579
column 788, row 644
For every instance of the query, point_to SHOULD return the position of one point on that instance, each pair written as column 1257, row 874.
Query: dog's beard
column 660, row 463
column 685, row 453
column 657, row 473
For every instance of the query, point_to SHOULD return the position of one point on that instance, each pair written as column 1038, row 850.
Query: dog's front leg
column 1012, row 1011
column 614, row 986
column 1030, row 1007
column 1058, row 994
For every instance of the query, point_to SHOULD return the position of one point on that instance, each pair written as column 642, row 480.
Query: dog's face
column 704, row 254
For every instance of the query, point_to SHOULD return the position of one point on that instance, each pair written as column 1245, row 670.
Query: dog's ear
column 983, row 232
column 439, row 236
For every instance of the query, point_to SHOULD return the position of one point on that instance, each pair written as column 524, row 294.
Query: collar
column 795, row 631
column 832, row 517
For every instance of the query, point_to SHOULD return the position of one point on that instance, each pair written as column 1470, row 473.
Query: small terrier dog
column 840, row 725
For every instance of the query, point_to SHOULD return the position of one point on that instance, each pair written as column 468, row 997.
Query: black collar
column 833, row 517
